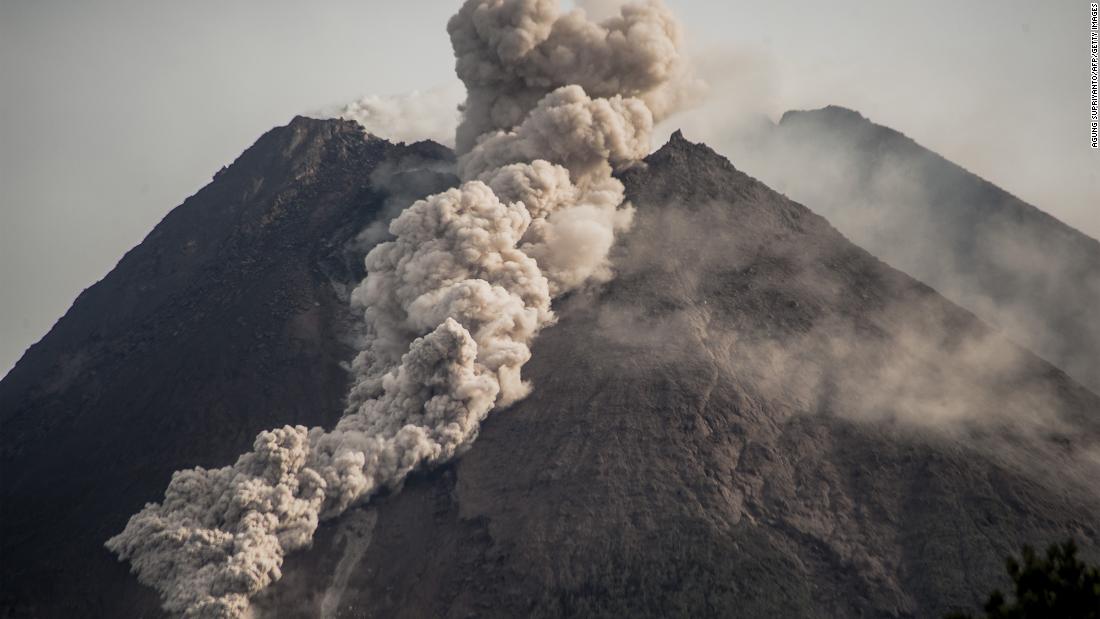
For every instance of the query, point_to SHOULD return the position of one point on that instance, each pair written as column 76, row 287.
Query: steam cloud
column 555, row 103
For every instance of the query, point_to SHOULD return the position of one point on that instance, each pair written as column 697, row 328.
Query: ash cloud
column 403, row 182
column 634, row 54
column 451, row 304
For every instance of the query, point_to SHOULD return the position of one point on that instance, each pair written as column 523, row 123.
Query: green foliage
column 1059, row 586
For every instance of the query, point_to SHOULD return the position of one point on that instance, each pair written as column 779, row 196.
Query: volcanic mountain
column 1010, row 263
column 754, row 418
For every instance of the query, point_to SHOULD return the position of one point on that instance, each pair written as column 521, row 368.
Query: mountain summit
column 231, row 317
column 754, row 418
column 1009, row 262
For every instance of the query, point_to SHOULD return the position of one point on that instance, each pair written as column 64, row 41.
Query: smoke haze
column 805, row 327
column 1017, row 268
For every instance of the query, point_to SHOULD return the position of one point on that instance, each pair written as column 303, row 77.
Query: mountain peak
column 1015, row 265
column 690, row 170
column 321, row 128
column 223, row 322
column 678, row 151
column 831, row 112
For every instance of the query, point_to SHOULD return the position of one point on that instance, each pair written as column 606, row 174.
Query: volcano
column 1009, row 262
column 756, row 417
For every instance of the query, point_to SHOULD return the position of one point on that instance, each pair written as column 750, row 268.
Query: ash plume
column 555, row 103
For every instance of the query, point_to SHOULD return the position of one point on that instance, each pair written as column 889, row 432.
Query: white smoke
column 555, row 104
column 430, row 114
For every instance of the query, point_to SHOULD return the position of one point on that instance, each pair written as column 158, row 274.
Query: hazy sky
column 114, row 111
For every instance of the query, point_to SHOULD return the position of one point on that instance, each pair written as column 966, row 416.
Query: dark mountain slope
column 1009, row 262
column 226, row 320
column 756, row 418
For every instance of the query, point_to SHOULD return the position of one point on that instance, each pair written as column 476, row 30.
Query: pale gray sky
column 114, row 111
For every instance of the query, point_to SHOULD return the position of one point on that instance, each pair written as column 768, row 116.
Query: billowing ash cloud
column 510, row 54
column 452, row 303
